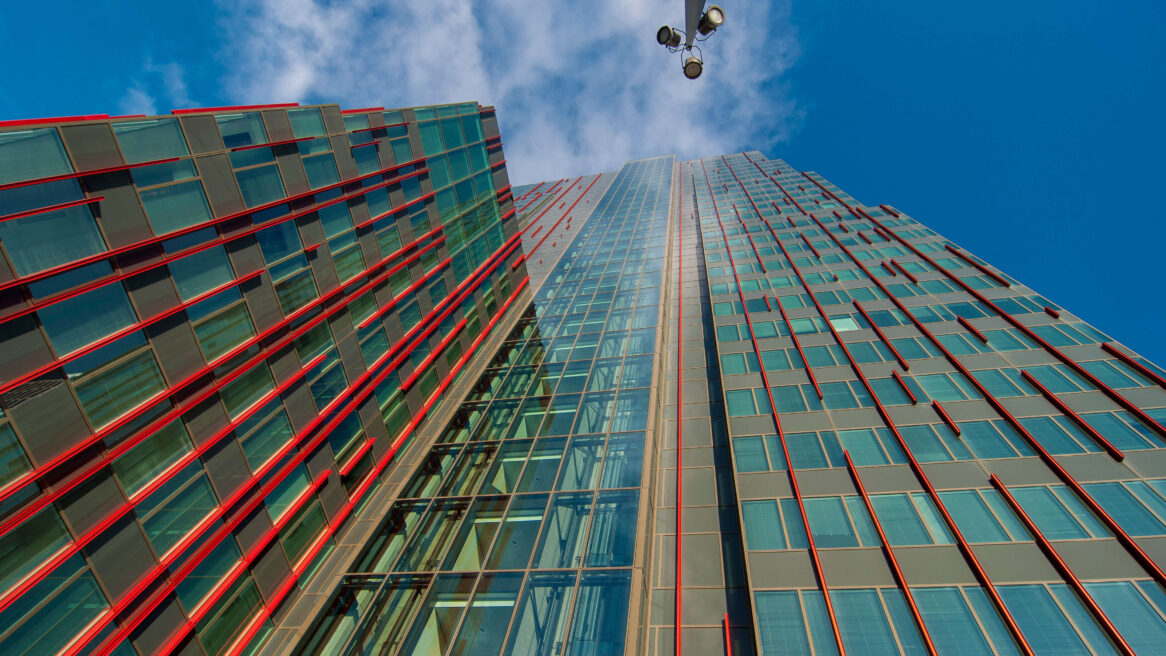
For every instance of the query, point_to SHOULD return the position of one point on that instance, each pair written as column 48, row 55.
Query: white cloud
column 156, row 81
column 137, row 101
column 580, row 87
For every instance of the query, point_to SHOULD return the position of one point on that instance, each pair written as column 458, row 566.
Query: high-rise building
column 706, row 407
column 217, row 330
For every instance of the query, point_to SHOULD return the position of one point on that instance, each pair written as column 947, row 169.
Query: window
column 789, row 621
column 169, row 513
column 145, row 141
column 175, row 206
column 961, row 620
column 68, row 597
column 983, row 516
column 839, row 522
column 909, row 519
column 1134, row 505
column 242, row 393
column 306, row 122
column 1058, row 513
column 47, row 239
column 115, row 379
column 946, row 387
column 1053, row 619
column 81, row 320
column 141, row 464
column 240, row 130
column 32, row 154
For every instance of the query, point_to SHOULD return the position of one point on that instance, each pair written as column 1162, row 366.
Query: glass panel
column 600, row 620
column 145, row 141
column 175, row 207
column 541, row 622
column 32, row 154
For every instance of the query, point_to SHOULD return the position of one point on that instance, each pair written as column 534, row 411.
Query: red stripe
column 232, row 108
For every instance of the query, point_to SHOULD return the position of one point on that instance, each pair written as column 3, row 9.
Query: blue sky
column 1029, row 133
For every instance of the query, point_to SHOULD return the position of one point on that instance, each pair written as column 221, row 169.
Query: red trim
column 819, row 575
column 1052, row 313
column 52, row 208
column 565, row 213
column 810, row 246
column 221, row 240
column 886, row 342
column 55, row 119
column 233, row 108
column 362, row 110
column 904, row 271
column 1138, row 366
column 202, row 395
column 972, row 329
column 81, row 174
column 888, row 268
column 966, row 258
column 889, row 554
column 902, row 383
column 1112, row 450
column 353, row 399
column 1063, row 568
column 797, row 345
column 955, row 428
column 1124, row 538
column 677, row 621
column 728, row 637
column 272, row 143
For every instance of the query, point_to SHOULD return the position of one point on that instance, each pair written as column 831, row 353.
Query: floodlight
column 711, row 20
column 668, row 37
column 693, row 67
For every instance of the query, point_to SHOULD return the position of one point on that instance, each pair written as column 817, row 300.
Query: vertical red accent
column 1124, row 538
column 1052, row 313
column 887, row 267
column 955, row 428
column 902, row 383
column 679, row 417
column 790, row 471
column 1063, row 568
column 972, row 329
column 890, row 556
column 797, row 345
column 891, row 347
column 728, row 637
column 904, row 271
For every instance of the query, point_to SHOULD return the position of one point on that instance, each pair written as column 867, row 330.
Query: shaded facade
column 294, row 379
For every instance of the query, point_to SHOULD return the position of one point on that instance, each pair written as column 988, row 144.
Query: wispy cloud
column 166, row 81
column 580, row 86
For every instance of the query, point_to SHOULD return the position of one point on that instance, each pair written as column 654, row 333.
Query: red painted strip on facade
column 362, row 110
column 1138, row 366
column 565, row 213
column 1124, row 538
column 903, row 384
column 1112, row 450
column 677, row 623
column 52, row 208
column 790, row 471
column 798, row 346
column 235, row 235
column 1016, row 323
column 81, row 174
column 972, row 329
column 955, row 428
column 976, row 265
column 1052, row 313
column 889, row 554
column 969, row 556
column 272, row 143
column 303, row 452
column 888, row 268
column 886, row 342
column 233, row 108
column 45, row 468
column 904, row 271
column 1063, row 568
column 54, row 119
column 810, row 246
column 728, row 637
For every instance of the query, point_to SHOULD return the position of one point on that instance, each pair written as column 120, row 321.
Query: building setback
column 291, row 379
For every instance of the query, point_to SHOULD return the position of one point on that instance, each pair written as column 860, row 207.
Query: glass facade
column 291, row 379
